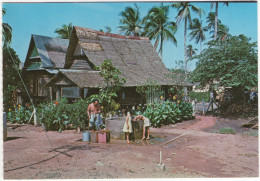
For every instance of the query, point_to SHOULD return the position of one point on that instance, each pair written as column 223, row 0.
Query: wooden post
column 58, row 93
column 51, row 93
column 211, row 100
column 203, row 107
column 160, row 157
column 35, row 118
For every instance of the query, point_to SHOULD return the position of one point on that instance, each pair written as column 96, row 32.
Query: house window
column 85, row 92
column 70, row 92
column 123, row 95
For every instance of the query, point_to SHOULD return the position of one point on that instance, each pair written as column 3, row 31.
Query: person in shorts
column 94, row 111
column 147, row 124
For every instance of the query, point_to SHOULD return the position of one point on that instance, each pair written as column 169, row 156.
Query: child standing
column 147, row 124
column 128, row 126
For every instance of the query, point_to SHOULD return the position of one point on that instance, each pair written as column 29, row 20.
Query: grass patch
column 251, row 133
column 227, row 130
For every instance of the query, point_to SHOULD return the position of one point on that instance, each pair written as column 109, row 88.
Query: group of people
column 95, row 120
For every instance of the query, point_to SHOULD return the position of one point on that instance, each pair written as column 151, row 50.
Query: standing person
column 94, row 111
column 147, row 124
column 128, row 126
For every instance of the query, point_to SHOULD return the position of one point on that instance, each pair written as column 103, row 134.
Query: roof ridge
column 112, row 34
column 34, row 35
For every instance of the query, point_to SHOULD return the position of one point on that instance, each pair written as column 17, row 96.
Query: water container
column 108, row 137
column 94, row 138
column 86, row 136
column 102, row 137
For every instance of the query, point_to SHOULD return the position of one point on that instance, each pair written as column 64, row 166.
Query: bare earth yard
column 199, row 152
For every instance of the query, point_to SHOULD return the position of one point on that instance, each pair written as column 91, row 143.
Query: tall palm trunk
column 185, row 58
column 216, row 22
column 200, row 46
column 185, row 48
column 161, row 44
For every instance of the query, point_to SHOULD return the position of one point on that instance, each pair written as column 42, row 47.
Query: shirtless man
column 94, row 114
column 146, row 124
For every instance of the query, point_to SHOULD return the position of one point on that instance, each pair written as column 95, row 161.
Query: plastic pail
column 86, row 136
column 102, row 137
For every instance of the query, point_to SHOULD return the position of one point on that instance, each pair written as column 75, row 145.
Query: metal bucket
column 86, row 136
column 94, row 138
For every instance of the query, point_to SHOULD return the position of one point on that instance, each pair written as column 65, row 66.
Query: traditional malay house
column 44, row 58
column 73, row 61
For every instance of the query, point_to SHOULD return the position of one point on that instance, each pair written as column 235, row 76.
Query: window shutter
column 70, row 92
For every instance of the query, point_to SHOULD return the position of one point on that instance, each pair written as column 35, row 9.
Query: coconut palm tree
column 198, row 32
column 107, row 29
column 65, row 31
column 216, row 17
column 184, row 14
column 158, row 26
column 191, row 51
column 211, row 21
column 223, row 33
column 130, row 21
column 7, row 31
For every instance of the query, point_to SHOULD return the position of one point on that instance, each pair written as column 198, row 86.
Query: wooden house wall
column 35, row 81
column 131, row 97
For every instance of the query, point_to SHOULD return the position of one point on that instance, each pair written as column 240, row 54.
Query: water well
column 115, row 126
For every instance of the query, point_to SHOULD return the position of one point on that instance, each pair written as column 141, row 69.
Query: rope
column 34, row 111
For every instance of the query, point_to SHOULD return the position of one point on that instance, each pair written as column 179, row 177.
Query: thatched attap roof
column 80, row 78
column 135, row 57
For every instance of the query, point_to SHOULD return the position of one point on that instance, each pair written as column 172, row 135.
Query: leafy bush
column 199, row 96
column 165, row 113
column 251, row 133
column 58, row 115
column 227, row 130
column 19, row 114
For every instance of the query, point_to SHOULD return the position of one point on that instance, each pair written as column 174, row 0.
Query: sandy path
column 29, row 155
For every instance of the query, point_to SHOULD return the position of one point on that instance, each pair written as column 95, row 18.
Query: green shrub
column 200, row 96
column 251, row 133
column 58, row 115
column 165, row 113
column 19, row 114
column 227, row 130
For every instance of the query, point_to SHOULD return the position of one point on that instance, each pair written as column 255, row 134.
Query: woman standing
column 128, row 126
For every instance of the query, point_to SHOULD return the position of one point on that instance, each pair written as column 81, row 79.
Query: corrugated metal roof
column 52, row 71
column 52, row 51
column 35, row 66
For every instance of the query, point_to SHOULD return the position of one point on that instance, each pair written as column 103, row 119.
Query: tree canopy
column 11, row 80
column 159, row 27
column 6, row 30
column 131, row 23
column 233, row 64
column 65, row 31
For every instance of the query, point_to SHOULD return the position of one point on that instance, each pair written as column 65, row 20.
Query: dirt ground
column 198, row 151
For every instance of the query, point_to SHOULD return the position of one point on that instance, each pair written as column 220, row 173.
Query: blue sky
column 44, row 18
